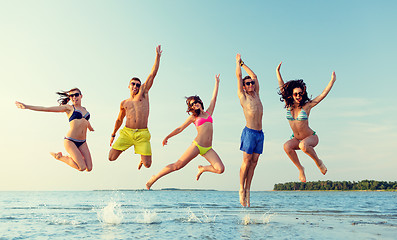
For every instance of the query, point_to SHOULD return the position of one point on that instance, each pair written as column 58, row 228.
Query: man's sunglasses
column 249, row 83
column 74, row 95
column 136, row 84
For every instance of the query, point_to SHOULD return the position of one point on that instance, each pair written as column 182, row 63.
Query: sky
column 98, row 46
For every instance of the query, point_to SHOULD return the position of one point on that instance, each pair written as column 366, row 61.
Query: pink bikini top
column 199, row 120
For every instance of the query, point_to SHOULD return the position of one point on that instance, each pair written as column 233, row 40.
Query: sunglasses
column 195, row 101
column 298, row 93
column 136, row 84
column 249, row 83
column 74, row 95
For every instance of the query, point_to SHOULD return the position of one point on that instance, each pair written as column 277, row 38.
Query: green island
column 364, row 185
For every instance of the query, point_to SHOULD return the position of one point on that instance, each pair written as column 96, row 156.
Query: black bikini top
column 78, row 115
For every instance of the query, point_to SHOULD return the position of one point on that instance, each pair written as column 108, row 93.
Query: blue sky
column 98, row 46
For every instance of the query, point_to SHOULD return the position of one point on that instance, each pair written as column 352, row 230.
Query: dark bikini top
column 78, row 115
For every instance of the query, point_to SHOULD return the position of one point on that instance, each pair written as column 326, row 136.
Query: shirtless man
column 136, row 109
column 252, row 137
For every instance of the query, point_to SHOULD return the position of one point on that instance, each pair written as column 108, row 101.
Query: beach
column 190, row 214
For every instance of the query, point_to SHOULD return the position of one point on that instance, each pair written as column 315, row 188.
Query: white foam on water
column 246, row 220
column 264, row 219
column 192, row 217
column 59, row 221
column 111, row 214
column 204, row 218
column 148, row 217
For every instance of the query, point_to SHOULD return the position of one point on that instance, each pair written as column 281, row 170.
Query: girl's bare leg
column 75, row 160
column 87, row 156
column 307, row 146
column 290, row 147
column 75, row 155
column 66, row 159
column 215, row 161
column 189, row 154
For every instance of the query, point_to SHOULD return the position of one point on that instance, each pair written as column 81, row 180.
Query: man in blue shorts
column 252, row 137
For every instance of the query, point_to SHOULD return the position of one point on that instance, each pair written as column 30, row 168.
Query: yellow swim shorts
column 140, row 138
column 203, row 150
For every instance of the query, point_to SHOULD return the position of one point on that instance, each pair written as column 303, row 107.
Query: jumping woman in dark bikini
column 75, row 140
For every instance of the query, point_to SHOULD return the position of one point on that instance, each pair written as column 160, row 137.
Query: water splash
column 111, row 214
column 264, row 219
column 246, row 220
column 192, row 217
column 203, row 218
column 59, row 221
column 148, row 217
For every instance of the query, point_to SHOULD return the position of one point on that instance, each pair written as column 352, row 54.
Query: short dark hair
column 245, row 78
column 136, row 79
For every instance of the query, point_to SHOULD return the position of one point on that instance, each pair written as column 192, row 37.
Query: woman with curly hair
column 75, row 139
column 202, row 144
column 298, row 106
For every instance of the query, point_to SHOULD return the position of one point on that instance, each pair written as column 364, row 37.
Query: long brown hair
column 287, row 90
column 64, row 96
column 190, row 107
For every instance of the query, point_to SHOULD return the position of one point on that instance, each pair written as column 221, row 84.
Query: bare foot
column 201, row 170
column 302, row 176
column 56, row 155
column 322, row 168
column 242, row 198
column 247, row 198
column 150, row 183
column 140, row 165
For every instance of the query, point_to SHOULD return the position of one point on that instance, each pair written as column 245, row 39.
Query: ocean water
column 197, row 215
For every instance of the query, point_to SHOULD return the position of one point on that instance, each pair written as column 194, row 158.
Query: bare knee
column 112, row 157
column 147, row 161
column 114, row 154
column 176, row 166
column 254, row 162
column 81, row 165
column 220, row 169
column 247, row 159
column 288, row 148
column 303, row 146
column 82, row 168
column 147, row 164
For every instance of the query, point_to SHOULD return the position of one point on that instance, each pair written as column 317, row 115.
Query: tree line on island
column 371, row 185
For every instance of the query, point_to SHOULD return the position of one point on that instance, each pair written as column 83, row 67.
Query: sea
column 197, row 214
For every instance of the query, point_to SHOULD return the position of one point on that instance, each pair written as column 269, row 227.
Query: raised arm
column 325, row 92
column 149, row 81
column 240, row 91
column 118, row 123
column 252, row 75
column 179, row 129
column 279, row 78
column 211, row 107
column 62, row 108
